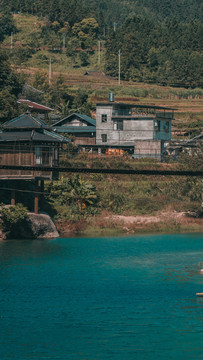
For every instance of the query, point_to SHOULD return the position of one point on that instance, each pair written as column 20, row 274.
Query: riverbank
column 106, row 225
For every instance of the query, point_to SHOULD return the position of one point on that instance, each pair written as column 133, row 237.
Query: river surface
column 121, row 298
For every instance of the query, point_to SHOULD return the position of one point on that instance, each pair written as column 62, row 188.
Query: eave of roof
column 126, row 105
column 25, row 121
column 80, row 116
column 34, row 105
column 75, row 129
column 32, row 135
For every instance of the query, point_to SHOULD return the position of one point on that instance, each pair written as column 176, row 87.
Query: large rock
column 38, row 226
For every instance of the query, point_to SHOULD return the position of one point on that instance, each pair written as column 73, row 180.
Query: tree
column 10, row 87
column 7, row 25
column 74, row 191
column 54, row 11
column 86, row 31
column 81, row 104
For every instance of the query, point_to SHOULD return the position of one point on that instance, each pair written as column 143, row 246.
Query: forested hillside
column 168, row 52
column 160, row 41
column 106, row 11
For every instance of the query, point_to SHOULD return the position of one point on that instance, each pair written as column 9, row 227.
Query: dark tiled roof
column 25, row 121
column 31, row 135
column 87, row 119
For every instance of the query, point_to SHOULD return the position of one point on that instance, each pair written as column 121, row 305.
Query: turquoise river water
column 122, row 298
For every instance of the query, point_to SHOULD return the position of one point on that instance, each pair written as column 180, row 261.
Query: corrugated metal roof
column 25, row 121
column 34, row 106
column 126, row 105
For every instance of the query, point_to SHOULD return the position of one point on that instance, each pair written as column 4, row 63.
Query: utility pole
column 99, row 49
column 104, row 31
column 11, row 41
column 50, row 71
column 64, row 42
column 114, row 27
column 119, row 67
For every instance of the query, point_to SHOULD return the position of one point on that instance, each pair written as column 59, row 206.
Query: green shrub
column 12, row 217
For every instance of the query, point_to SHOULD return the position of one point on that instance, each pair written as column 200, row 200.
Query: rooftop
column 126, row 105
column 34, row 106
column 87, row 119
column 25, row 121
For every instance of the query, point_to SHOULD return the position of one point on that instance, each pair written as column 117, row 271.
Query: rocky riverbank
column 40, row 226
column 34, row 226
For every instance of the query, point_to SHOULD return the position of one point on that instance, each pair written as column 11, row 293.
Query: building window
column 38, row 156
column 104, row 137
column 104, row 118
column 157, row 125
column 42, row 155
column 118, row 125
column 166, row 127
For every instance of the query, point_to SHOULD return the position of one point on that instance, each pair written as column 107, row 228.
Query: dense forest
column 160, row 41
column 168, row 52
column 106, row 11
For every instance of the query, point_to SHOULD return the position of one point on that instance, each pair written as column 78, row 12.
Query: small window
column 38, row 156
column 45, row 155
column 118, row 125
column 42, row 155
column 166, row 128
column 157, row 125
column 104, row 137
column 104, row 118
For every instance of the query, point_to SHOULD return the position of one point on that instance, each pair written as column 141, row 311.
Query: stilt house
column 29, row 141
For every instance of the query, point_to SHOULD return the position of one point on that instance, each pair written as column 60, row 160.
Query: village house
column 36, row 108
column 80, row 127
column 29, row 141
column 142, row 129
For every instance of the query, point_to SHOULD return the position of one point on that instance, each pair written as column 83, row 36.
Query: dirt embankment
column 168, row 221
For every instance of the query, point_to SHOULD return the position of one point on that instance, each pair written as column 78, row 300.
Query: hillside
column 107, row 12
column 31, row 54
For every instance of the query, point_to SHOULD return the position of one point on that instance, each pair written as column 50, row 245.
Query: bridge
column 65, row 169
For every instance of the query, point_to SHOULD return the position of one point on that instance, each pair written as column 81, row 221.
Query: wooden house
column 29, row 141
column 81, row 127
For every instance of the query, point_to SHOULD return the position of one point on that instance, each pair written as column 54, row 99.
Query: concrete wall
column 148, row 148
column 137, row 128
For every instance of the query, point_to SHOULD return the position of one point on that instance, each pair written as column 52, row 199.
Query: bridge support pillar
column 36, row 202
column 13, row 197
column 41, row 199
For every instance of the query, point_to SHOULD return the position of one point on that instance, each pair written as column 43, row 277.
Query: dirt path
column 147, row 219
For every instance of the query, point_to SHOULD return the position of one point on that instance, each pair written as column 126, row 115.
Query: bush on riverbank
column 12, row 217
